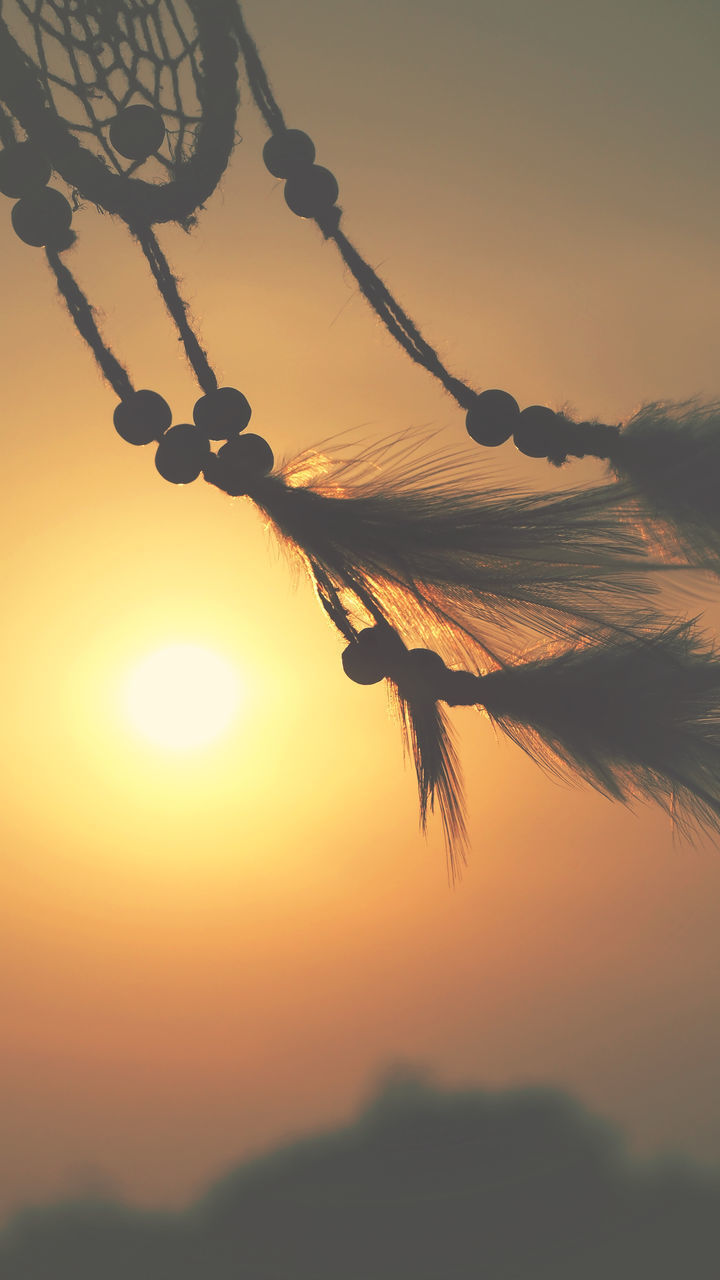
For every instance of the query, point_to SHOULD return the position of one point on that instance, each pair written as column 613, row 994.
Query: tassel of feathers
column 410, row 546
column 635, row 715
column 477, row 571
column 670, row 454
column 667, row 455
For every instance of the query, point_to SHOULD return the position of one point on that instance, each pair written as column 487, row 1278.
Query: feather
column 398, row 537
column 427, row 738
column 411, row 539
column 670, row 453
column 636, row 715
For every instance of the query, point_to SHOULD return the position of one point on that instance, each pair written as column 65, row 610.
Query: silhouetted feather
column 421, row 540
column 671, row 455
column 397, row 536
column 428, row 740
column 634, row 716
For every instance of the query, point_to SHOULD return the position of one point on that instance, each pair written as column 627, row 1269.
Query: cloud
column 426, row 1184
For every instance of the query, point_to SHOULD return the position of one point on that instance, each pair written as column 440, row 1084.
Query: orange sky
column 201, row 954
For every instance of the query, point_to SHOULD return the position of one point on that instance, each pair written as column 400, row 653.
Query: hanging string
column 396, row 320
column 176, row 305
column 257, row 76
column 83, row 317
column 537, row 431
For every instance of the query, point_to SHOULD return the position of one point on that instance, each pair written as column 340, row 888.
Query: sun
column 182, row 697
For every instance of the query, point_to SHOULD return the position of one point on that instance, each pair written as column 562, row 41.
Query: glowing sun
column 182, row 697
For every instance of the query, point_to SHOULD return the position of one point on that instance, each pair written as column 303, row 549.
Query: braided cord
column 398, row 323
column 396, row 320
column 176, row 305
column 82, row 315
column 260, row 86
column 568, row 439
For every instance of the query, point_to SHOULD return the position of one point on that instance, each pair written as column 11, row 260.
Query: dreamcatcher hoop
column 29, row 90
column 400, row 546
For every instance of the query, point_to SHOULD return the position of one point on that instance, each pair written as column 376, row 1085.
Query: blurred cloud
column 425, row 1183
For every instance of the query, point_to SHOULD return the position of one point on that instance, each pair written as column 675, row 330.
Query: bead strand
column 184, row 449
column 537, row 431
column 310, row 190
column 377, row 653
column 41, row 216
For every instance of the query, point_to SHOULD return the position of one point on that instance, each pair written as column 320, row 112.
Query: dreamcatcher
column 433, row 584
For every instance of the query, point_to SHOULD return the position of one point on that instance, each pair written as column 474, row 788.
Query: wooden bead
column 311, row 192
column 222, row 413
column 23, row 169
column 425, row 662
column 537, row 431
column 384, row 643
column 182, row 453
column 43, row 218
column 492, row 418
column 142, row 417
column 287, row 152
column 240, row 463
column 137, row 132
column 362, row 665
column 421, row 672
column 375, row 653
column 461, row 689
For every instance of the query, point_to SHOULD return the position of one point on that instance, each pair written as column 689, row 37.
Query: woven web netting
column 94, row 57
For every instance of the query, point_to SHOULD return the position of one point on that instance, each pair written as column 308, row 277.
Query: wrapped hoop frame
column 135, row 199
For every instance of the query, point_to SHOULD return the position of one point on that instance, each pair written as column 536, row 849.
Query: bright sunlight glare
column 182, row 696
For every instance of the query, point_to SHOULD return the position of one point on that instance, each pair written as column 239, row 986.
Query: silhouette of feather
column 636, row 715
column 395, row 537
column 670, row 453
column 481, row 568
column 428, row 740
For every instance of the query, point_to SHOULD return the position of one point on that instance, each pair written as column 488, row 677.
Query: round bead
column 425, row 662
column 137, row 132
column 421, row 671
column 182, row 453
column 287, row 152
column 461, row 689
column 537, row 431
column 240, row 463
column 361, row 665
column 311, row 192
column 384, row 643
column 42, row 218
column 222, row 413
column 142, row 417
column 375, row 653
column 23, row 169
column 492, row 418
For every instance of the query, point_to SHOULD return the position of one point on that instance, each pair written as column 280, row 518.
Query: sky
column 205, row 952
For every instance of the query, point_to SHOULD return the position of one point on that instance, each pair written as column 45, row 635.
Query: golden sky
column 204, row 952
